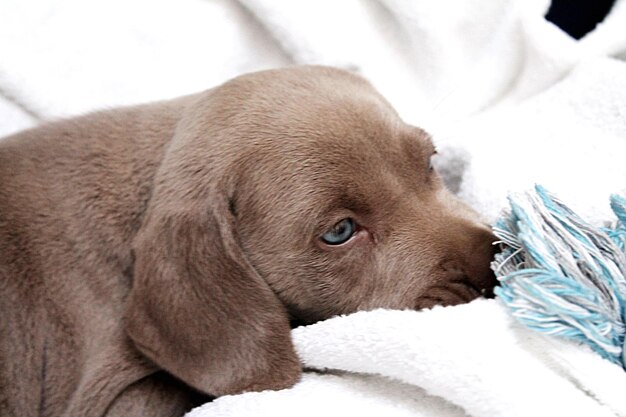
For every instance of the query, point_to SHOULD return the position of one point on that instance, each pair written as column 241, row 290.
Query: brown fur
column 185, row 235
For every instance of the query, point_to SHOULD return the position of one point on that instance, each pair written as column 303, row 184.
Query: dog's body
column 183, row 236
column 72, row 197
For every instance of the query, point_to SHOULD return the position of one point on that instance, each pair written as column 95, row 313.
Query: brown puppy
column 185, row 235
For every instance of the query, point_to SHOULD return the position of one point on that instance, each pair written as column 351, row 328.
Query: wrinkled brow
column 353, row 201
column 346, row 200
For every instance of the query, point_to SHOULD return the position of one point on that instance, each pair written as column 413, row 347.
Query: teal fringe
column 561, row 276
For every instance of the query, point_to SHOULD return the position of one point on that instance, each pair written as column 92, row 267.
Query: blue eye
column 340, row 233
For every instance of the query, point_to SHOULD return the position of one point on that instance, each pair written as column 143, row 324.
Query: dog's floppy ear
column 197, row 308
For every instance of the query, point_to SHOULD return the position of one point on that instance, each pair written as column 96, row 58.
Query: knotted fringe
column 561, row 276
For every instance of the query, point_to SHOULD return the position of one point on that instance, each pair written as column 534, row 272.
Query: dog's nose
column 472, row 262
column 478, row 257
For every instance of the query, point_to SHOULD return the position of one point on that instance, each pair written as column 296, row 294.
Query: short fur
column 182, row 237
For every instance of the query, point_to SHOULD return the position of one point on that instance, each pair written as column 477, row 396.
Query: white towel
column 65, row 57
column 472, row 359
column 13, row 118
column 571, row 138
column 435, row 61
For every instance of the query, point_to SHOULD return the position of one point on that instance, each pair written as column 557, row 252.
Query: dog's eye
column 340, row 233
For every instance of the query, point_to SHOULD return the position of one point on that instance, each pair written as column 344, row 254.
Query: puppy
column 155, row 252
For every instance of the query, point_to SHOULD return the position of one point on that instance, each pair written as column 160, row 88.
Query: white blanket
column 509, row 98
column 467, row 360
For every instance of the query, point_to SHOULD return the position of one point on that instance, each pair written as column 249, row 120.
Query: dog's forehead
column 304, row 94
column 361, row 169
column 324, row 140
column 304, row 110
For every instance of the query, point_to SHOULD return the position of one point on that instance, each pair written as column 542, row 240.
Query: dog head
column 291, row 194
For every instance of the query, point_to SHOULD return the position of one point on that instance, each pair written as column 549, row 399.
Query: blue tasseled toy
column 561, row 276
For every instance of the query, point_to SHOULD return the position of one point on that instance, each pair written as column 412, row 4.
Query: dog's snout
column 479, row 255
column 472, row 264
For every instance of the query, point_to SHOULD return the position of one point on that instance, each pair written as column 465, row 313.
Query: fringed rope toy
column 561, row 276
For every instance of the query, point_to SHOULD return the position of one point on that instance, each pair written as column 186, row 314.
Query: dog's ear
column 197, row 308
